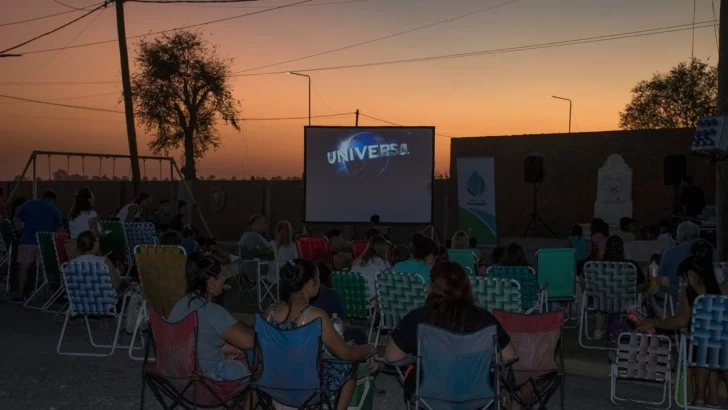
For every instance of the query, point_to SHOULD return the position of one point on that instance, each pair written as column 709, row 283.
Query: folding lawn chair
column 352, row 288
column 90, row 293
column 7, row 237
column 358, row 248
column 50, row 265
column 114, row 240
column 642, row 358
column 610, row 287
column 557, row 268
column 707, row 345
column 465, row 258
column 139, row 233
column 493, row 294
column 398, row 294
column 539, row 344
column 533, row 297
column 176, row 376
column 162, row 276
column 313, row 248
column 292, row 366
column 456, row 371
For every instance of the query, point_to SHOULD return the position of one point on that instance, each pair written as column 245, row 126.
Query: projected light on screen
column 365, row 154
column 354, row 173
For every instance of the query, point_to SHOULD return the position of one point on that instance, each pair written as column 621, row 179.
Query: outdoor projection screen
column 354, row 173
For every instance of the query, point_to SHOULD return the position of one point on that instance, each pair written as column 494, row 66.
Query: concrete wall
column 571, row 162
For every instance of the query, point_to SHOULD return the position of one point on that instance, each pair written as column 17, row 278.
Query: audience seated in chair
column 450, row 305
column 599, row 233
column 401, row 253
column 299, row 284
column 286, row 249
column 687, row 234
column 626, row 228
column 221, row 339
column 373, row 262
column 252, row 243
column 340, row 250
column 461, row 240
column 698, row 274
column 87, row 247
column 424, row 254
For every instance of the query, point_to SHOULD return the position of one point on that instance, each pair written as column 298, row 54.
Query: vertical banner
column 476, row 199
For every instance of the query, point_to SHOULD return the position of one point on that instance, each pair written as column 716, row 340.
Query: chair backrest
column 115, row 240
column 464, row 258
column 557, row 267
column 352, row 288
column 492, row 293
column 643, row 356
column 611, row 285
column 174, row 345
column 291, row 362
column 49, row 259
column 140, row 233
column 89, row 289
column 398, row 294
column 7, row 235
column 455, row 368
column 526, row 278
column 161, row 271
column 535, row 338
column 59, row 244
column 358, row 248
column 313, row 248
column 709, row 333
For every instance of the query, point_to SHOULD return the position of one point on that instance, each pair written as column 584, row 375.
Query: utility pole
column 721, row 168
column 357, row 118
column 128, row 106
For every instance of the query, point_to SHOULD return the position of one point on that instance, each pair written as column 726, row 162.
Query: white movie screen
column 355, row 173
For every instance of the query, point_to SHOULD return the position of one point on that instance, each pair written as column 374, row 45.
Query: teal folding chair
column 557, row 267
column 465, row 258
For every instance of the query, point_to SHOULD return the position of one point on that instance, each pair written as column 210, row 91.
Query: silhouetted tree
column 179, row 89
column 60, row 175
column 233, row 178
column 211, row 178
column 672, row 100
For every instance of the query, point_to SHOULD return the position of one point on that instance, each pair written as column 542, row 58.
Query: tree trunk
column 190, row 171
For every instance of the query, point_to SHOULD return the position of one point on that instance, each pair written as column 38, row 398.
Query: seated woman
column 461, row 240
column 286, row 249
column 299, row 284
column 424, row 253
column 329, row 301
column 513, row 255
column 450, row 304
column 373, row 262
column 700, row 279
column 87, row 247
column 221, row 339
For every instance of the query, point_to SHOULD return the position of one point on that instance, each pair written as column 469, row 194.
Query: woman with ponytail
column 221, row 339
column 299, row 283
column 450, row 304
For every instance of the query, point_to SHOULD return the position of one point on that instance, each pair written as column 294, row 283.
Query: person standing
column 692, row 198
column 83, row 216
column 133, row 211
column 39, row 215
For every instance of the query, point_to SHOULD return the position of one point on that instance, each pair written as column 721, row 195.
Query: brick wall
column 571, row 162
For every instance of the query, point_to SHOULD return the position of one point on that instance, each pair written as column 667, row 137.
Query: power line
column 37, row 18
column 297, row 118
column 70, row 83
column 585, row 40
column 399, row 125
column 61, row 105
column 333, row 3
column 322, row 99
column 54, row 30
column 72, row 7
column 187, row 1
column 172, row 29
column 374, row 40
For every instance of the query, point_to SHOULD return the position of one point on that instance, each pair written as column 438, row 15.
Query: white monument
column 614, row 191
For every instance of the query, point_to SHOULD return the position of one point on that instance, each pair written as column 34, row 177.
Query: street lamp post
column 309, row 93
column 570, row 105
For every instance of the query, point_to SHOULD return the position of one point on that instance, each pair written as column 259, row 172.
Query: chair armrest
column 400, row 363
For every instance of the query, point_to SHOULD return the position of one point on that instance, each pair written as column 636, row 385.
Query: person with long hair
column 87, row 249
column 450, row 304
column 221, row 339
column 299, row 284
column 513, row 255
column 373, row 262
column 424, row 255
column 83, row 217
column 286, row 249
column 699, row 277
column 599, row 233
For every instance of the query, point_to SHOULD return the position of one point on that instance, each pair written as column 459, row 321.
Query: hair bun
column 290, row 272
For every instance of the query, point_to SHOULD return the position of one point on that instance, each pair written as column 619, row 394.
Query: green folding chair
column 464, row 258
column 51, row 273
column 557, row 267
column 114, row 240
column 162, row 277
column 352, row 288
column 398, row 294
column 7, row 237
column 497, row 294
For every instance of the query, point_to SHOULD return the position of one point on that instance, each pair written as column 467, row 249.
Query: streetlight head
column 289, row 73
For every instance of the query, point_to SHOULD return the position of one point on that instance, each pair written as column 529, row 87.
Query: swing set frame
column 173, row 170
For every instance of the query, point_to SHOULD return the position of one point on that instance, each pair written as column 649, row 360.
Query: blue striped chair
column 500, row 294
column 139, row 233
column 707, row 345
column 90, row 293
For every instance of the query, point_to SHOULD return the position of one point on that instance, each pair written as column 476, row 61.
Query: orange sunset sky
column 496, row 94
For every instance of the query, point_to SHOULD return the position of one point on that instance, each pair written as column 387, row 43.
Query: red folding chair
column 358, row 248
column 313, row 248
column 59, row 241
column 176, row 375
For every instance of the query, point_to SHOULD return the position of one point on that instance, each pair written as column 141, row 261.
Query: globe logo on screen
column 475, row 184
column 370, row 165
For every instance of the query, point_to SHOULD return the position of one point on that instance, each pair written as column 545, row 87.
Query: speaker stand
column 535, row 217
